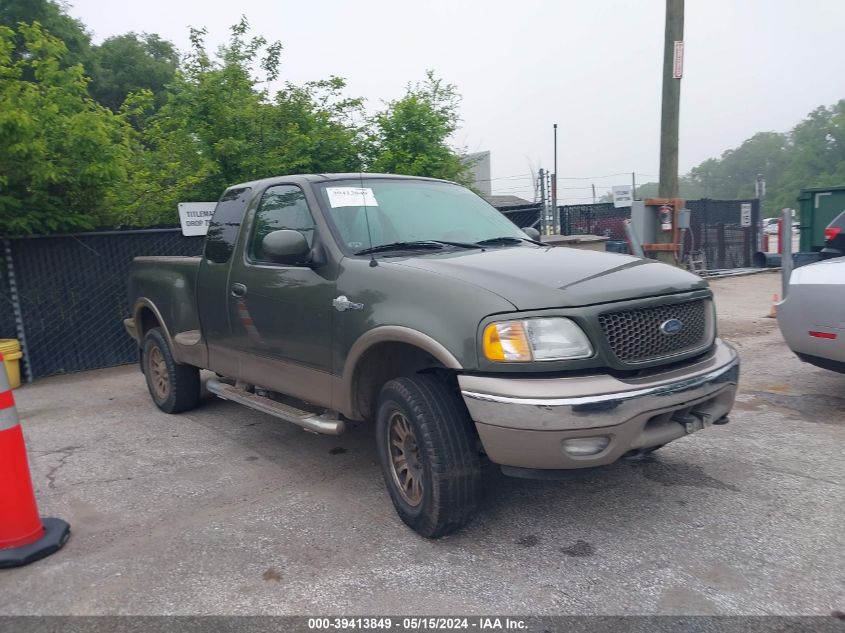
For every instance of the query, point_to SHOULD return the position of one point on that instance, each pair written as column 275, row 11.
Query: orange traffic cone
column 24, row 537
column 773, row 311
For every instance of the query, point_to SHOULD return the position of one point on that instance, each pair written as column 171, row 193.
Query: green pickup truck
column 412, row 303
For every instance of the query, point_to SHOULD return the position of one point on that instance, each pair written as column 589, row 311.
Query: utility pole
column 760, row 190
column 633, row 186
column 594, row 193
column 543, row 204
column 556, row 220
column 760, row 186
column 673, row 57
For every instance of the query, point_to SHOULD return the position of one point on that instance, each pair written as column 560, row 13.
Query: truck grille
column 635, row 336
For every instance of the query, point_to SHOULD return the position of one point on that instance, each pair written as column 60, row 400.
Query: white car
column 812, row 317
column 770, row 226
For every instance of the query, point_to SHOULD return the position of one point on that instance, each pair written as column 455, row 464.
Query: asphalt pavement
column 223, row 510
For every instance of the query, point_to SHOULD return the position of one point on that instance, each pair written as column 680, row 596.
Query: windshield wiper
column 505, row 239
column 414, row 245
column 460, row 244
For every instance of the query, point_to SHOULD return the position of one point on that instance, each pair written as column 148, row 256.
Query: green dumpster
column 818, row 207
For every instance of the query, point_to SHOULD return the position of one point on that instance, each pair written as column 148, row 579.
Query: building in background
column 508, row 202
column 480, row 171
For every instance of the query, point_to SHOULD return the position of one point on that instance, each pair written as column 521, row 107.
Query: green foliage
column 129, row 63
column 812, row 154
column 219, row 126
column 53, row 19
column 688, row 189
column 118, row 134
column 62, row 152
column 411, row 136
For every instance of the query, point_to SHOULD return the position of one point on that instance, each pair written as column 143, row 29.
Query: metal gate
column 715, row 228
column 594, row 219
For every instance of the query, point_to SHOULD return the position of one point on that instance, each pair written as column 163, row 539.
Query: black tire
column 446, row 462
column 174, row 387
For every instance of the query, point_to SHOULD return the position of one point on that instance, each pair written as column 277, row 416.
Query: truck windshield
column 411, row 211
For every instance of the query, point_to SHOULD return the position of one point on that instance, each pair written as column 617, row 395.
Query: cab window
column 281, row 207
column 225, row 224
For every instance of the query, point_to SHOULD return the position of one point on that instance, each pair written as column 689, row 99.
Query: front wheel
column 173, row 386
column 428, row 454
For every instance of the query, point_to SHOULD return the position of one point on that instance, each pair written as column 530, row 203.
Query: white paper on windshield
column 351, row 197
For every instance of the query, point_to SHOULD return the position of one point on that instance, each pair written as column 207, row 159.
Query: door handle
column 342, row 304
column 238, row 290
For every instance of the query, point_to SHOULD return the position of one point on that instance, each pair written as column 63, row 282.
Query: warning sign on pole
column 745, row 214
column 678, row 65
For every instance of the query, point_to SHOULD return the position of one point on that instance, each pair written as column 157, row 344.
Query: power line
column 517, row 177
column 586, row 188
column 532, row 176
column 624, row 173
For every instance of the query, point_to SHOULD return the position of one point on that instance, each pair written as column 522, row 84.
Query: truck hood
column 537, row 278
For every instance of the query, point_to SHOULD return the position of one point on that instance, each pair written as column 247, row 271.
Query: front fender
column 345, row 388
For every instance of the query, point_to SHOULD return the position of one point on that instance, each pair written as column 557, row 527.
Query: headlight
column 525, row 340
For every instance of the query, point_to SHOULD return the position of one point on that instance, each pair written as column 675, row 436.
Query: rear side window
column 223, row 228
column 281, row 207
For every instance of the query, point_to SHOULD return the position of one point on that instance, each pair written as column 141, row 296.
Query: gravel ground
column 227, row 511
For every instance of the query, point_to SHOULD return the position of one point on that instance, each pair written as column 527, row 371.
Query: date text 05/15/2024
column 416, row 623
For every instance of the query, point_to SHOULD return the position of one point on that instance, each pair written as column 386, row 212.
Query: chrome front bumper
column 523, row 422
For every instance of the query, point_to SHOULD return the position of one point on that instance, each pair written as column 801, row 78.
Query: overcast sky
column 592, row 66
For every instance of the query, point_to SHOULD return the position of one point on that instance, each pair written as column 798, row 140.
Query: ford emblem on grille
column 672, row 327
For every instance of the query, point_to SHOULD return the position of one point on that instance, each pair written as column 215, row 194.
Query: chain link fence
column 715, row 228
column 524, row 217
column 594, row 219
column 717, row 233
column 8, row 328
column 72, row 298
column 72, row 294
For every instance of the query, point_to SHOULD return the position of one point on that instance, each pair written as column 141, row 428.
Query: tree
column 62, row 152
column 688, row 189
column 734, row 174
column 411, row 136
column 54, row 19
column 219, row 126
column 178, row 130
column 812, row 154
column 129, row 63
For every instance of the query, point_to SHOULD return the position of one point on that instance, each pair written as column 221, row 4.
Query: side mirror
column 285, row 246
column 532, row 233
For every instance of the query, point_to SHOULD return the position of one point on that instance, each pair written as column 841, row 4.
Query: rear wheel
column 174, row 387
column 427, row 450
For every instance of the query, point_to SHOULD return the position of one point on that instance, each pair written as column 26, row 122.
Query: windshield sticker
column 351, row 197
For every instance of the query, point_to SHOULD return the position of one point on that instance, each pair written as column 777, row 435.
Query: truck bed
column 167, row 284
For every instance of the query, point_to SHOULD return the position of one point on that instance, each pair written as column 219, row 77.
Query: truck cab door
column 213, row 280
column 281, row 314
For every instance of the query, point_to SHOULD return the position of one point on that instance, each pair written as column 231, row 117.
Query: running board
column 322, row 424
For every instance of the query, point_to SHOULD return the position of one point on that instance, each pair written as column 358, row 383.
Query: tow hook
column 693, row 421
